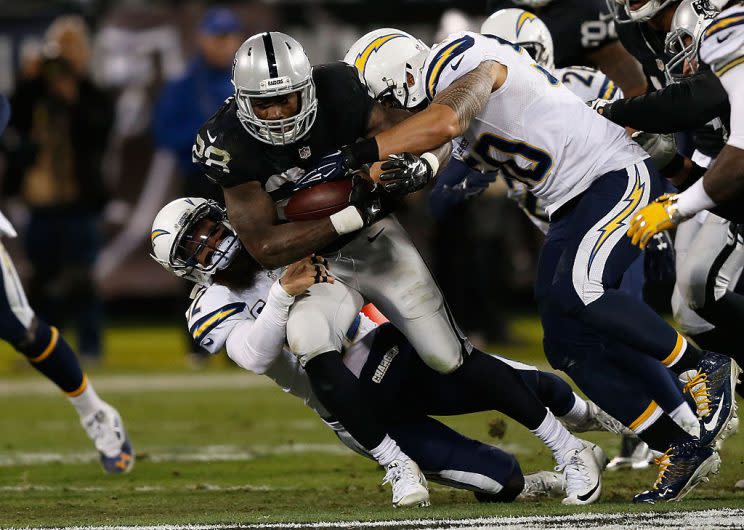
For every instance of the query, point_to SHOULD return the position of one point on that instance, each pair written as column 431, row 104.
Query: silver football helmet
column 644, row 13
column 524, row 28
column 683, row 40
column 268, row 65
column 390, row 63
column 177, row 241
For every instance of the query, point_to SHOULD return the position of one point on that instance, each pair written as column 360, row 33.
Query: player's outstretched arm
column 253, row 215
column 447, row 117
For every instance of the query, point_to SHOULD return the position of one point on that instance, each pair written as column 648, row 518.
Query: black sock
column 664, row 433
column 502, row 388
column 340, row 393
column 689, row 361
column 555, row 393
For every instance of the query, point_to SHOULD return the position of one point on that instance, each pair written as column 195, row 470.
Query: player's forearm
column 256, row 345
column 279, row 245
column 724, row 181
column 428, row 130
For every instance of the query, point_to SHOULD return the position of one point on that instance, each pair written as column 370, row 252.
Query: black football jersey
column 229, row 155
column 578, row 27
column 646, row 45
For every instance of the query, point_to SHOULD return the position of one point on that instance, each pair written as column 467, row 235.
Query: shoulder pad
column 212, row 316
column 722, row 46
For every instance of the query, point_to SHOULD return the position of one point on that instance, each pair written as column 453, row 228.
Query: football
column 318, row 201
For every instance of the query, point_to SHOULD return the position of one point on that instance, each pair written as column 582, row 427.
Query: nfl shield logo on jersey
column 304, row 152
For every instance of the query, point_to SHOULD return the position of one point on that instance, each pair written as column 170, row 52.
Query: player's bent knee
column 444, row 362
column 310, row 334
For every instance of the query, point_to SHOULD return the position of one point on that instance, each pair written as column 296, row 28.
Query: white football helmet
column 175, row 246
column 273, row 64
column 390, row 63
column 524, row 28
column 644, row 13
column 683, row 40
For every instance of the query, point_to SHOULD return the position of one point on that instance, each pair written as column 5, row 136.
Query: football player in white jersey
column 510, row 113
column 48, row 352
column 722, row 48
column 244, row 308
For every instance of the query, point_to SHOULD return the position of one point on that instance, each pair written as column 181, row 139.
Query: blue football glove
column 330, row 167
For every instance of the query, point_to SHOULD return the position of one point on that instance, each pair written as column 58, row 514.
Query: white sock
column 387, row 451
column 579, row 411
column 556, row 437
column 87, row 402
column 685, row 418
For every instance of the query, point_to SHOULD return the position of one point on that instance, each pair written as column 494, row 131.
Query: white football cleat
column 543, row 484
column 409, row 484
column 596, row 420
column 106, row 429
column 634, row 454
column 583, row 474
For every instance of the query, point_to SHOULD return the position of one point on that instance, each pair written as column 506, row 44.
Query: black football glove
column 371, row 200
column 405, row 173
column 330, row 167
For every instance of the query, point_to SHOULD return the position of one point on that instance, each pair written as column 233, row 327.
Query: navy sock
column 555, row 393
column 50, row 354
column 664, row 433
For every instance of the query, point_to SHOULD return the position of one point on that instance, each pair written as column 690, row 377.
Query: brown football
column 318, row 201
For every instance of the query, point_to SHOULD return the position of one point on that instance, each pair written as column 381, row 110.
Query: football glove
column 330, row 167
column 660, row 215
column 405, row 173
column 660, row 147
column 598, row 104
column 372, row 202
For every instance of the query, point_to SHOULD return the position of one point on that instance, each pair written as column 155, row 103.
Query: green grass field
column 224, row 446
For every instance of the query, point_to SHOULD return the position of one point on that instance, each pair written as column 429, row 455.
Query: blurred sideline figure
column 205, row 85
column 48, row 352
column 61, row 122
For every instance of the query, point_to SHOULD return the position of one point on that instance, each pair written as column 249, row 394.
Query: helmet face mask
column 270, row 65
column 621, row 10
column 683, row 40
column 193, row 239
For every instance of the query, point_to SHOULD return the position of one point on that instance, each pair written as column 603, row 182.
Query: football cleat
column 107, row 431
column 634, row 454
column 543, row 484
column 596, row 419
column 582, row 473
column 409, row 484
column 713, row 387
column 681, row 468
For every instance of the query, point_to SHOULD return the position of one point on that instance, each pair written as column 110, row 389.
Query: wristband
column 693, row 200
column 347, row 220
column 433, row 162
column 363, row 152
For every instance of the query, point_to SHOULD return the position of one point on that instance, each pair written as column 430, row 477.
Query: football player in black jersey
column 270, row 140
column 587, row 37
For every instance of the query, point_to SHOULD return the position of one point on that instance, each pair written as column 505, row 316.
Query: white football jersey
column 216, row 311
column 533, row 128
column 588, row 83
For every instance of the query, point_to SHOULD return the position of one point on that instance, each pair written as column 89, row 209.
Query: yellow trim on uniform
column 736, row 62
column 610, row 89
column 645, row 415
column 214, row 318
column 676, row 352
column 522, row 20
column 79, row 390
column 434, row 72
column 611, row 226
column 723, row 24
column 50, row 347
column 361, row 61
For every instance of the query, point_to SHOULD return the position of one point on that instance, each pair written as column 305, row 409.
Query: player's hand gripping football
column 330, row 167
column 370, row 199
column 301, row 275
column 405, row 173
column 660, row 215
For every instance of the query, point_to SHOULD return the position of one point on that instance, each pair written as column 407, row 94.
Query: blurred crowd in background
column 106, row 100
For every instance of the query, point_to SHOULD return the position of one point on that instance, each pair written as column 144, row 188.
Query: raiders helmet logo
column 304, row 152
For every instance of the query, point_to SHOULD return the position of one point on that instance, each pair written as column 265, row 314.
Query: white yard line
column 141, row 383
column 720, row 518
column 207, row 453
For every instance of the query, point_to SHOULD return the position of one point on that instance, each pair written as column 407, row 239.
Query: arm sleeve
column 255, row 345
column 689, row 104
